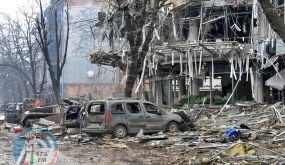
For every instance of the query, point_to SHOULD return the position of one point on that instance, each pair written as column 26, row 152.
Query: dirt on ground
column 104, row 150
column 259, row 139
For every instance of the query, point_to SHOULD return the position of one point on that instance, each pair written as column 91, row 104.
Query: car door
column 153, row 117
column 135, row 117
column 95, row 117
column 119, row 115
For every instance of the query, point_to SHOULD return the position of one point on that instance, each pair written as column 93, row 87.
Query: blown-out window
column 117, row 108
column 133, row 107
column 97, row 108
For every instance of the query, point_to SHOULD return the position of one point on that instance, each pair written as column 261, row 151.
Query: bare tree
column 136, row 22
column 12, row 86
column 19, row 51
column 29, row 34
column 55, row 68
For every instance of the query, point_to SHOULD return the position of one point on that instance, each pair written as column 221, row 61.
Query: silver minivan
column 122, row 117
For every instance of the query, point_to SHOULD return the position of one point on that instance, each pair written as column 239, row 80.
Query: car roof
column 120, row 101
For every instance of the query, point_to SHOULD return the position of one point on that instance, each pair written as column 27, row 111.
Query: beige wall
column 100, row 92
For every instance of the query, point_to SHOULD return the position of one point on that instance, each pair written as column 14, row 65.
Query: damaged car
column 13, row 112
column 69, row 109
column 123, row 117
column 72, row 111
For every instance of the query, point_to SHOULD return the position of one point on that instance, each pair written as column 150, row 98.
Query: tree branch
column 18, row 69
column 66, row 39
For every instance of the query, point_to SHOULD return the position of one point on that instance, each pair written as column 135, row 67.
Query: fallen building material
column 45, row 122
column 254, row 158
column 211, row 146
column 54, row 118
column 140, row 134
column 2, row 117
column 229, row 98
column 256, row 145
column 278, row 140
column 34, row 114
column 276, row 82
column 115, row 145
column 277, row 114
column 250, row 114
column 10, row 126
column 149, row 138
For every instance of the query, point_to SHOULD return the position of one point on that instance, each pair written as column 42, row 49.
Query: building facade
column 80, row 77
column 207, row 41
column 212, row 48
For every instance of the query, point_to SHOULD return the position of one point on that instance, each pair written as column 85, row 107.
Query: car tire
column 120, row 131
column 172, row 127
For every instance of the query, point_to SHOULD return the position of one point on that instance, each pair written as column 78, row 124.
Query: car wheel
column 172, row 127
column 120, row 131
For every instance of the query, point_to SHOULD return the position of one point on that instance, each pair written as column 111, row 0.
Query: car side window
column 150, row 108
column 133, row 107
column 97, row 109
column 117, row 108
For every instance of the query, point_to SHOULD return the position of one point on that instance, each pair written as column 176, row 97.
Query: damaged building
column 212, row 51
column 213, row 48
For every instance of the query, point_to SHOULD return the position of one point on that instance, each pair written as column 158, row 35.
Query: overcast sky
column 11, row 6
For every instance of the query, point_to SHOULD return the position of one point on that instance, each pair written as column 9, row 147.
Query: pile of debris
column 249, row 133
column 244, row 133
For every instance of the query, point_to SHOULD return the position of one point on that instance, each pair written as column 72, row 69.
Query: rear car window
column 97, row 108
column 117, row 108
column 133, row 107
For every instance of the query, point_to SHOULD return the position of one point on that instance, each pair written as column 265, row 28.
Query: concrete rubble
column 201, row 57
column 245, row 133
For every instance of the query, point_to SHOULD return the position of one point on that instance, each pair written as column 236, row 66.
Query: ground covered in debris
column 244, row 134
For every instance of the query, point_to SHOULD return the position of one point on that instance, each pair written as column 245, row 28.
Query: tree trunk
column 27, row 92
column 20, row 92
column 132, row 73
column 55, row 87
column 43, row 79
column 43, row 40
column 272, row 15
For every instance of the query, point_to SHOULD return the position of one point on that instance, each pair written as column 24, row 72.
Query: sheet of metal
column 276, row 82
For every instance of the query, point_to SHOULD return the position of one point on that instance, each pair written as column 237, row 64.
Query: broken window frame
column 100, row 111
column 131, row 111
column 157, row 112
column 123, row 110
